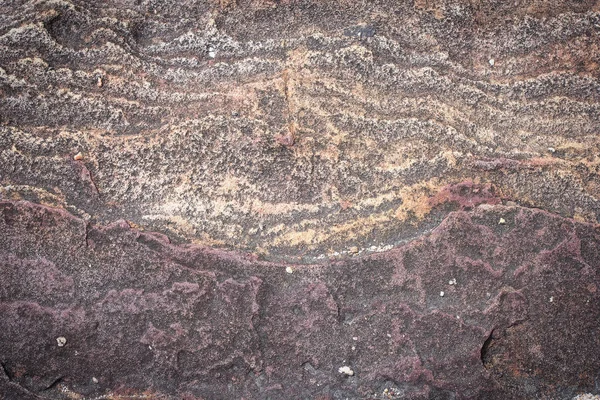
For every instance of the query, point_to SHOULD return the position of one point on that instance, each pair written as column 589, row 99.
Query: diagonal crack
column 11, row 388
column 54, row 383
column 485, row 349
column 5, row 371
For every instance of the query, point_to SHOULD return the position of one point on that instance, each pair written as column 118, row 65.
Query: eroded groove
column 55, row 384
column 6, row 372
column 485, row 356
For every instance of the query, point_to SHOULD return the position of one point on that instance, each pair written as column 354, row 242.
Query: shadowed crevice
column 6, row 372
column 485, row 357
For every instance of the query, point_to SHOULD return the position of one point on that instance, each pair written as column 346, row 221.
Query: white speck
column 389, row 335
column 346, row 370
column 488, row 294
column 289, row 270
column 442, row 294
column 492, row 62
column 61, row 341
column 150, row 347
column 452, row 281
column 458, row 317
column 355, row 338
column 211, row 52
column 551, row 299
column 551, row 149
column 94, row 379
column 353, row 347
column 502, row 221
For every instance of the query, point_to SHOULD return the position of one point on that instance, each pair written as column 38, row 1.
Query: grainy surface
column 518, row 318
column 301, row 129
column 379, row 149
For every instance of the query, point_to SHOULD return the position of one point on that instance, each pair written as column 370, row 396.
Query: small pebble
column 289, row 270
column 353, row 250
column 452, row 281
column 61, row 341
column 442, row 294
column 78, row 156
column 355, row 338
column 551, row 149
column 492, row 62
column 551, row 299
column 94, row 380
column 502, row 221
column 211, row 52
column 346, row 370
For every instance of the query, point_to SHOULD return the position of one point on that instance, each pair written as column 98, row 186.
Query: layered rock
column 297, row 129
column 299, row 199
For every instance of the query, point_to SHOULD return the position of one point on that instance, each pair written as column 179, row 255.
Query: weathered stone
column 141, row 315
column 297, row 129
column 367, row 200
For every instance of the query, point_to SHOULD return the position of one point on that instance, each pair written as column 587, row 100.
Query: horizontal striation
column 298, row 130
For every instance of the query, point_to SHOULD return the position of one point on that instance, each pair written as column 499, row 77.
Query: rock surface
column 299, row 199
column 297, row 129
column 473, row 310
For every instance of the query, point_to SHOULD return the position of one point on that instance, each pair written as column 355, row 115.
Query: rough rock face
column 237, row 198
column 473, row 310
column 297, row 129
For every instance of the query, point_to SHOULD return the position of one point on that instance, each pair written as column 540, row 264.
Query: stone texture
column 519, row 317
column 297, row 129
column 237, row 198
